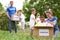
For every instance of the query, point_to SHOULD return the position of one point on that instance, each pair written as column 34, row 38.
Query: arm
column 7, row 15
column 53, row 23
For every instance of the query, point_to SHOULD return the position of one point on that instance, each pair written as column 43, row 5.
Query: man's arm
column 7, row 15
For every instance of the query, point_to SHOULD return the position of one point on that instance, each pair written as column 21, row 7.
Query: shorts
column 22, row 25
column 31, row 26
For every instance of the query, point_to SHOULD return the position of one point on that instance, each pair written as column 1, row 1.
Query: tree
column 41, row 6
column 3, row 18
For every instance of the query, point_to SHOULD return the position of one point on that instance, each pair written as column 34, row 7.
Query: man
column 10, row 11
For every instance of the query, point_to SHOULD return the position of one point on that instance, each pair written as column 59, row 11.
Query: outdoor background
column 26, row 5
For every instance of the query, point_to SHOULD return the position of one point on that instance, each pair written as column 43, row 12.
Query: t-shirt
column 11, row 10
column 22, row 18
column 38, row 20
column 32, row 21
column 52, row 20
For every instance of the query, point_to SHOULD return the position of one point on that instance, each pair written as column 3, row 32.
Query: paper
column 43, row 32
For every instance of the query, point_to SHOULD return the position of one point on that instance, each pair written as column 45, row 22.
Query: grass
column 5, row 35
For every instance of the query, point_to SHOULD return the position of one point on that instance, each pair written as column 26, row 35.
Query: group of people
column 33, row 19
column 42, row 20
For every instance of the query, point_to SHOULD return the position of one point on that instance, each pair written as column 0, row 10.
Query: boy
column 32, row 20
column 22, row 20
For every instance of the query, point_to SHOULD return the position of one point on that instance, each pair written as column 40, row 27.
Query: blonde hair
column 49, row 11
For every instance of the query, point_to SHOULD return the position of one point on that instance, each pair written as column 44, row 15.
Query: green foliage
column 3, row 18
column 3, row 21
column 41, row 6
column 1, row 8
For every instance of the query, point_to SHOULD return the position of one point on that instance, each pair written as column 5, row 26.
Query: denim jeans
column 56, row 32
column 10, row 25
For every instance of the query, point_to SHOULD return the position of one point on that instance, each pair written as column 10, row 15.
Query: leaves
column 41, row 6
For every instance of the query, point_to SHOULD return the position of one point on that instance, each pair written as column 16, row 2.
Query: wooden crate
column 43, row 32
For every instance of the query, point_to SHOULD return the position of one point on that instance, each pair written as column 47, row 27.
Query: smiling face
column 49, row 15
column 42, row 18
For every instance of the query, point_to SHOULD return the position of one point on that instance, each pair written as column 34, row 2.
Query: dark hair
column 19, row 11
column 42, row 16
column 11, row 1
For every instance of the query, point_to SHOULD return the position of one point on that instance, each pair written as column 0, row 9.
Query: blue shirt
column 52, row 20
column 11, row 10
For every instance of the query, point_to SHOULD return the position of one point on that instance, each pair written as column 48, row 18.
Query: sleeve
column 55, row 18
column 15, row 9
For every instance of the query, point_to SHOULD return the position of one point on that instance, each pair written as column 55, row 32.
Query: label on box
column 43, row 32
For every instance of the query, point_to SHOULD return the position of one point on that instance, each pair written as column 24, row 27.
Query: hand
column 10, row 18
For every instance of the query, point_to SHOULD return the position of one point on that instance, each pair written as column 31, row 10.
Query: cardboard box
column 43, row 32
column 15, row 18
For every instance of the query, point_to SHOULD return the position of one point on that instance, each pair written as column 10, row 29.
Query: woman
column 53, row 21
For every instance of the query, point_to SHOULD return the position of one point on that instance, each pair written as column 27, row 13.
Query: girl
column 38, row 18
column 32, row 20
column 22, row 20
column 53, row 21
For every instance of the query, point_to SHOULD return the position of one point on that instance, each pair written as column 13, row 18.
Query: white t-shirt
column 22, row 18
column 43, row 23
column 38, row 20
column 46, row 24
column 32, row 19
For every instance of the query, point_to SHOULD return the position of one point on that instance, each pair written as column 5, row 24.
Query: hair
column 50, row 12
column 33, row 9
column 42, row 16
column 37, row 14
column 11, row 1
column 19, row 11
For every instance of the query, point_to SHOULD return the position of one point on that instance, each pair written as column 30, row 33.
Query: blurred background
column 26, row 5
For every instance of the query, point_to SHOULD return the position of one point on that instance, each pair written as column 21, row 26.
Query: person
column 22, row 20
column 43, row 22
column 32, row 21
column 42, row 18
column 10, row 11
column 53, row 21
column 38, row 18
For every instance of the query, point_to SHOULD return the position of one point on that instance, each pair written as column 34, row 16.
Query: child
column 44, row 22
column 38, row 18
column 32, row 20
column 22, row 20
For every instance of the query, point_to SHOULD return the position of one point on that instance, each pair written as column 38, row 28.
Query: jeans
column 56, row 32
column 10, row 25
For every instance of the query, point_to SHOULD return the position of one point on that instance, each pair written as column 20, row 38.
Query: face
column 48, row 15
column 42, row 19
column 19, row 12
column 33, row 12
column 11, row 3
